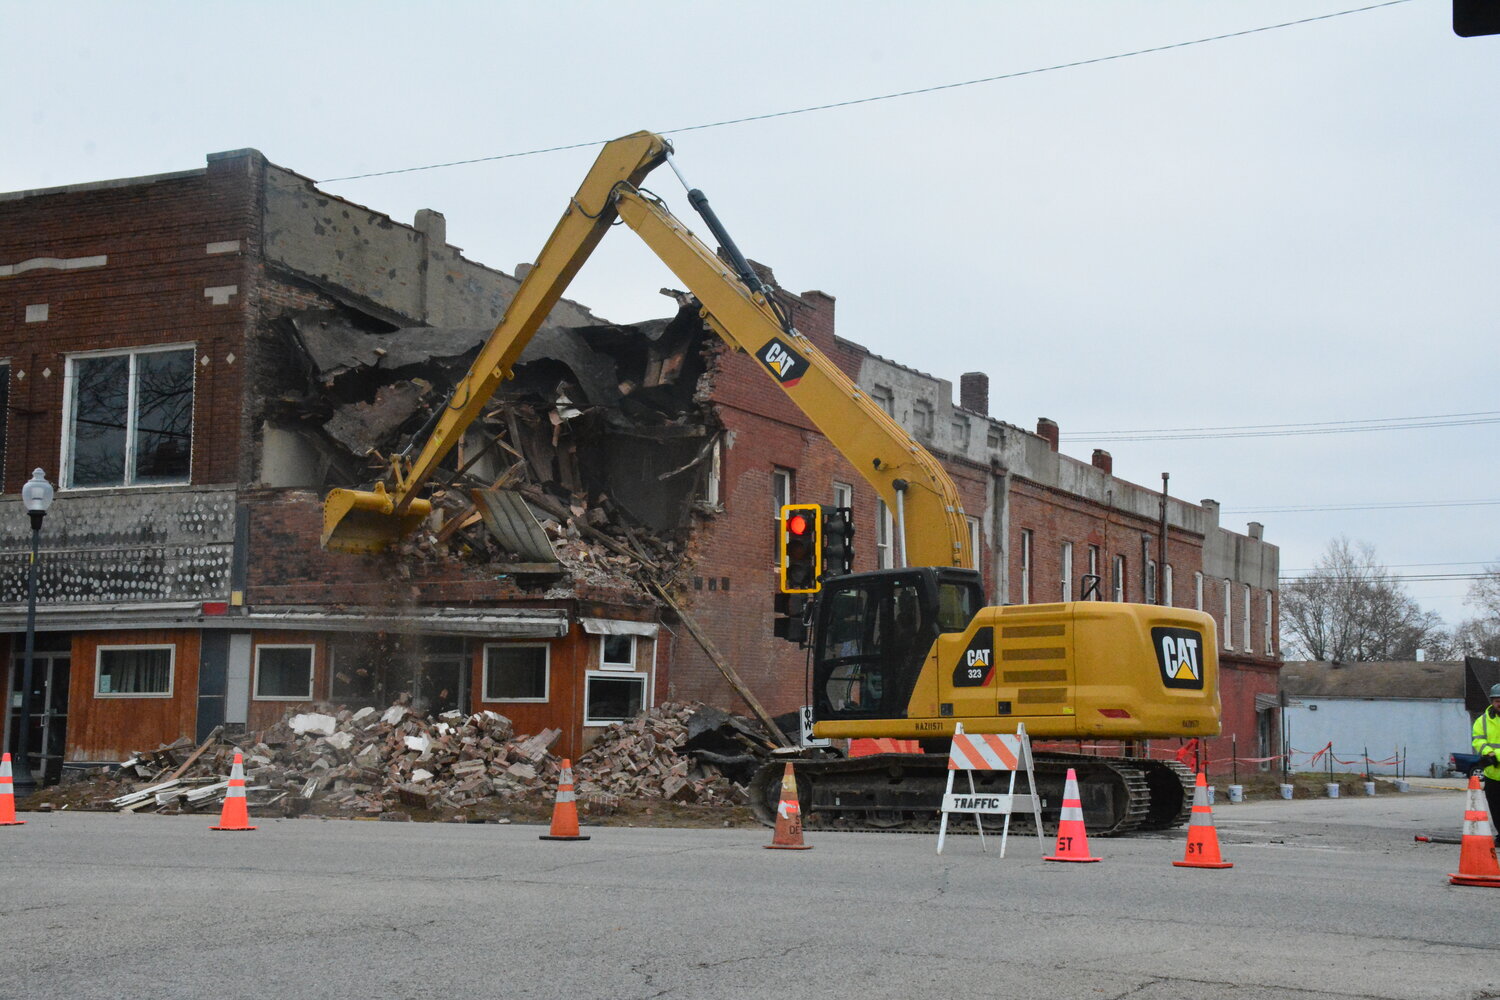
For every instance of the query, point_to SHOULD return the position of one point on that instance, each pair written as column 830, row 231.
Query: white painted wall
column 1430, row 729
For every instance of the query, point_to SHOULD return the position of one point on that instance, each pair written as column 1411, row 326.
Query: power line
column 1395, row 577
column 883, row 97
column 1300, row 423
column 1395, row 505
column 1293, row 430
column 1313, row 569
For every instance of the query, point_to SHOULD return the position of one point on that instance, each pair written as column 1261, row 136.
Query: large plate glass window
column 129, row 418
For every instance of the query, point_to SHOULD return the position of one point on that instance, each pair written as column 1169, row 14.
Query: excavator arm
column 901, row 471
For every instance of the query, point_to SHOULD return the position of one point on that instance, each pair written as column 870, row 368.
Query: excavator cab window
column 875, row 632
column 958, row 602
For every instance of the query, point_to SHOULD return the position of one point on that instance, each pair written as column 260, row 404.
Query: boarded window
column 134, row 670
column 515, row 672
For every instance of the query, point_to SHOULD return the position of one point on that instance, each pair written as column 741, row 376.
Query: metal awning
column 509, row 623
column 610, row 626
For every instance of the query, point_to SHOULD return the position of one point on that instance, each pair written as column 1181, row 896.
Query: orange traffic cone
column 8, row 795
column 1203, row 839
column 565, row 810
column 236, row 814
column 788, row 836
column 1476, row 859
column 1072, row 835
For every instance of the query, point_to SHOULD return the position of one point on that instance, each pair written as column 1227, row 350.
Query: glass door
column 51, row 670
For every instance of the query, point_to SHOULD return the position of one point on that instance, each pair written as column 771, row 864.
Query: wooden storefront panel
column 111, row 728
column 266, row 712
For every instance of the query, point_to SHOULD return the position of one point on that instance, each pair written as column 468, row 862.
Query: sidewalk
column 1457, row 784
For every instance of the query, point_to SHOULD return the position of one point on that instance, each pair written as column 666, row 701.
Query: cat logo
column 975, row 667
column 1179, row 654
column 785, row 364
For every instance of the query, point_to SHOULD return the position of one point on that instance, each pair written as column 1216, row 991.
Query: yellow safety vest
column 1487, row 739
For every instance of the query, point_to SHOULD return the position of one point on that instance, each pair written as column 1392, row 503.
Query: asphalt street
column 1327, row 899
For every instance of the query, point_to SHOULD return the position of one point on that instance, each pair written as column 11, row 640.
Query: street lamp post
column 37, row 496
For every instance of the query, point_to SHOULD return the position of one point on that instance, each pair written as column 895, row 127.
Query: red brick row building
column 144, row 356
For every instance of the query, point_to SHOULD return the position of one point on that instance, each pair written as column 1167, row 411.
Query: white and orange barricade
column 991, row 752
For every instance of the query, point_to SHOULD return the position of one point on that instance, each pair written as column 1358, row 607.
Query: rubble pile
column 651, row 757
column 355, row 762
column 599, row 443
column 370, row 762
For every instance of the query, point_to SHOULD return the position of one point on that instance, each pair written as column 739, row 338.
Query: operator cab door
column 876, row 637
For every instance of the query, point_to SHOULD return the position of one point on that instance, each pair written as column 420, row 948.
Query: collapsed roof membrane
column 601, row 413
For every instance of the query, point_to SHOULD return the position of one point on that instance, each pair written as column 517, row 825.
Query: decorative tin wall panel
column 122, row 547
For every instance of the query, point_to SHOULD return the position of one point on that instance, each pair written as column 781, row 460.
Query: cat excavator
column 902, row 653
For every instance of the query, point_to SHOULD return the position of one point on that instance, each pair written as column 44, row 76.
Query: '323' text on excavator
column 904, row 653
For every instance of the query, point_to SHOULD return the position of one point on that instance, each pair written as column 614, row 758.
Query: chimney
column 974, row 392
column 1256, row 529
column 1103, row 461
column 1046, row 429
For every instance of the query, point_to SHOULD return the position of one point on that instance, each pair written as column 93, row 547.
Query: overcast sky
column 1291, row 226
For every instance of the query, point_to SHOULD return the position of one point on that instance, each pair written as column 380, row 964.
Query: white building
column 1414, row 709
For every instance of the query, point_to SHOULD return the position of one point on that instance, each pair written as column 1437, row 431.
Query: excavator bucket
column 366, row 521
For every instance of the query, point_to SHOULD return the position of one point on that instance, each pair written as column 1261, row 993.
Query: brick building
column 181, row 582
column 145, row 354
column 1040, row 522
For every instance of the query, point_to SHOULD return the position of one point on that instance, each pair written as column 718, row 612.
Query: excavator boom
column 907, row 651
column 904, row 474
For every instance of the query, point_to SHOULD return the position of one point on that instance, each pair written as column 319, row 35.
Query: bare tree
column 1480, row 636
column 1351, row 608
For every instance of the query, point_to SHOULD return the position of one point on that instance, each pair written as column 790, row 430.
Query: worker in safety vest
column 1487, row 745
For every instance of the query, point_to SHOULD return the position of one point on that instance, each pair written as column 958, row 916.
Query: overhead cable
column 1293, row 430
column 1394, row 505
column 882, row 97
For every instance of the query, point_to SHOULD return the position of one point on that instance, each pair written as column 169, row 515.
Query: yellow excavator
column 904, row 653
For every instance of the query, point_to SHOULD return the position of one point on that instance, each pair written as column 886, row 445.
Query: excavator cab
column 874, row 632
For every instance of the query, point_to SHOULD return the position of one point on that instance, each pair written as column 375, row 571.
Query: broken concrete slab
column 362, row 427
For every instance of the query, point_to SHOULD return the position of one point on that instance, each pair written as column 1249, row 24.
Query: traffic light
column 790, row 622
column 801, row 549
column 838, row 541
column 1476, row 17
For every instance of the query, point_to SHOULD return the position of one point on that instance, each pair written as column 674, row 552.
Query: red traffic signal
column 801, row 551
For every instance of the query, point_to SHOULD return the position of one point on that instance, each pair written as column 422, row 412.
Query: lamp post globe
column 36, row 496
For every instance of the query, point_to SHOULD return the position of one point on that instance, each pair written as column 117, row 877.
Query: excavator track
column 902, row 793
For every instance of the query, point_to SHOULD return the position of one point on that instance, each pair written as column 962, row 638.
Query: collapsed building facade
column 195, row 358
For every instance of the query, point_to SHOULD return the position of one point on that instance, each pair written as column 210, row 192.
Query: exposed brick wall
column 150, row 291
column 767, row 431
column 288, row 566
